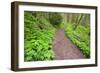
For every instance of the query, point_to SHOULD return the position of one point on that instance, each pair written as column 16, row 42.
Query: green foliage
column 80, row 37
column 39, row 29
column 38, row 38
column 55, row 19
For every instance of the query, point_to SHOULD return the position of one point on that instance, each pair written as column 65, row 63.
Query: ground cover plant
column 77, row 28
column 40, row 28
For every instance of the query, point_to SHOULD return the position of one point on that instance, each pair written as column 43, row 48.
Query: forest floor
column 64, row 48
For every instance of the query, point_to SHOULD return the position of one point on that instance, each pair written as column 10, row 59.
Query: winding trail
column 64, row 48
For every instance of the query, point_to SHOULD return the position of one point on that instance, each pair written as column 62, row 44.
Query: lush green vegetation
column 40, row 27
column 78, row 30
column 55, row 19
column 38, row 38
column 80, row 37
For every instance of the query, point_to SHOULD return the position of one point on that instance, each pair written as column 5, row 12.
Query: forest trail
column 64, row 48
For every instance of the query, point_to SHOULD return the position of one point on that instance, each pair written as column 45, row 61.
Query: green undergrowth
column 38, row 38
column 39, row 30
column 79, row 36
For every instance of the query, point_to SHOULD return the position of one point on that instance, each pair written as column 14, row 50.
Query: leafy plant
column 39, row 30
column 80, row 37
column 38, row 38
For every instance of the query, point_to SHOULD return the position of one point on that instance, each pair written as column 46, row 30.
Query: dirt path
column 64, row 48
